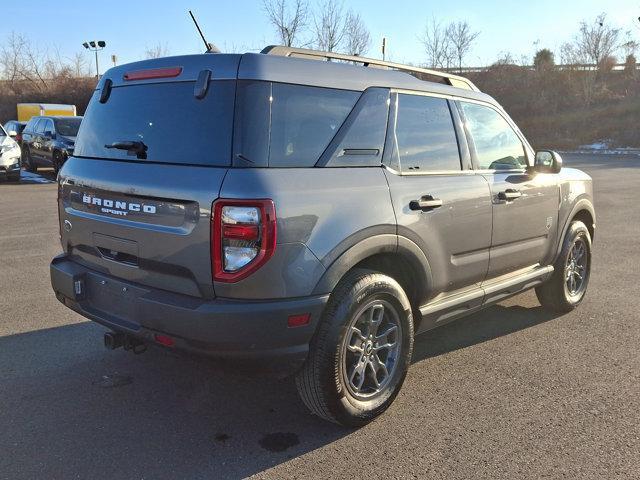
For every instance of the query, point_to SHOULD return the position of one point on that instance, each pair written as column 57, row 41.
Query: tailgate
column 146, row 223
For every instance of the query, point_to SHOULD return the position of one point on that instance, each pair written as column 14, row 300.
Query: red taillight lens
column 18, row 137
column 164, row 340
column 243, row 237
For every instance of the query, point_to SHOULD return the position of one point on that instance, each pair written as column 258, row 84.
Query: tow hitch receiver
column 113, row 340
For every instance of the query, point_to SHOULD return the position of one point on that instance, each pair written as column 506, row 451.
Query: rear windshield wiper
column 139, row 149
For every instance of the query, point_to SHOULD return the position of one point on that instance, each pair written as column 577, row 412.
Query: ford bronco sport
column 309, row 208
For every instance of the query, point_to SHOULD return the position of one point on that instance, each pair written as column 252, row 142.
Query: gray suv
column 309, row 210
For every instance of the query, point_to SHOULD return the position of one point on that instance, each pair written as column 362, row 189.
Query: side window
column 303, row 122
column 497, row 145
column 360, row 141
column 425, row 138
column 283, row 125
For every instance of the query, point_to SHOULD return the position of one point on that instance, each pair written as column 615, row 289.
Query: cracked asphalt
column 511, row 392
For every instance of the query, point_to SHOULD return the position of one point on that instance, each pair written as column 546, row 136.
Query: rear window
column 167, row 118
column 283, row 125
column 68, row 127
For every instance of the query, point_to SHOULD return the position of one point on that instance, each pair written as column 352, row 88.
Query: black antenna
column 211, row 48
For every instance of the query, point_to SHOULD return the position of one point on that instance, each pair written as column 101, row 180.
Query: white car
column 9, row 156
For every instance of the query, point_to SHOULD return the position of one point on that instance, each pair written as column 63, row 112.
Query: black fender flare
column 374, row 245
column 581, row 204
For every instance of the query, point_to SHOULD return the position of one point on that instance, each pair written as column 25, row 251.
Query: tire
column 13, row 178
column 57, row 162
column 30, row 166
column 559, row 294
column 333, row 383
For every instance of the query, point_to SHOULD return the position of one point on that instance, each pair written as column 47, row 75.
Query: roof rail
column 453, row 80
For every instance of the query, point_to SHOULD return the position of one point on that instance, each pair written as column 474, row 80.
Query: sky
column 131, row 26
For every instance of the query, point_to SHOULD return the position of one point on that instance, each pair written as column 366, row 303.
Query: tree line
column 554, row 106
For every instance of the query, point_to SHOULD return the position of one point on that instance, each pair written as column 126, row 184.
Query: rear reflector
column 153, row 73
column 164, row 340
column 242, row 232
column 298, row 320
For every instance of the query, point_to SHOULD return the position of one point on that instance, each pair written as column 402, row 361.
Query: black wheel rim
column 576, row 270
column 370, row 349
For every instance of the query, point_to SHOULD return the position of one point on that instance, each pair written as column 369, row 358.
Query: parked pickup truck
column 319, row 214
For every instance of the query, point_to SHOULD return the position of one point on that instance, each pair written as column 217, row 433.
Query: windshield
column 68, row 127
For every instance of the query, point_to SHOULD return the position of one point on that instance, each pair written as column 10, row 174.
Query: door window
column 496, row 144
column 425, row 138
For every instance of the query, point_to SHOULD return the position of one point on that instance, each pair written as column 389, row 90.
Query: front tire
column 57, row 161
column 360, row 354
column 30, row 165
column 567, row 287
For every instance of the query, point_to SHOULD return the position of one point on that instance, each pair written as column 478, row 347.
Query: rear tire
column 30, row 166
column 567, row 287
column 362, row 349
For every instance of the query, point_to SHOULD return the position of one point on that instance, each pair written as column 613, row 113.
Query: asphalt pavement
column 512, row 392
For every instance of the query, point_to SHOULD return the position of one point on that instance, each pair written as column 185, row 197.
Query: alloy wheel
column 576, row 269
column 371, row 348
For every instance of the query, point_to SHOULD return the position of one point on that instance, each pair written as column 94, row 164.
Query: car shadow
column 44, row 176
column 70, row 409
column 494, row 322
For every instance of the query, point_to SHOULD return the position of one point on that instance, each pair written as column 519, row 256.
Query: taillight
column 243, row 237
column 18, row 138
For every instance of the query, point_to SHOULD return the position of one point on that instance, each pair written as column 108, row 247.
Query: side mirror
column 12, row 133
column 49, row 134
column 547, row 161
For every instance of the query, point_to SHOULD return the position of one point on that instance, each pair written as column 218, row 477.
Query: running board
column 445, row 310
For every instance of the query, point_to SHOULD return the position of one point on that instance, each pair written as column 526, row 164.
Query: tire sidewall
column 346, row 408
column 577, row 230
column 56, row 161
column 30, row 167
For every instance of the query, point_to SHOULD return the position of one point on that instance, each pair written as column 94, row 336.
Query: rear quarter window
column 283, row 125
column 175, row 126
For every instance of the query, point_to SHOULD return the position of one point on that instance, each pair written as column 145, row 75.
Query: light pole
column 94, row 46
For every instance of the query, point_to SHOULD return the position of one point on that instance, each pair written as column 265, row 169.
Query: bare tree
column 357, row 37
column 437, row 44
column 157, row 51
column 289, row 22
column 20, row 61
column 329, row 26
column 597, row 40
column 79, row 65
column 461, row 39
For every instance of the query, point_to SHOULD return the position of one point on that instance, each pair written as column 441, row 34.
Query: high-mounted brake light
column 153, row 73
column 243, row 237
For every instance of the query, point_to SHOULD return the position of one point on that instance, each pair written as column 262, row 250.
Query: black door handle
column 509, row 194
column 426, row 203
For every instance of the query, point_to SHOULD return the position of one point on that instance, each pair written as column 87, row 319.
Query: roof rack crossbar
column 451, row 79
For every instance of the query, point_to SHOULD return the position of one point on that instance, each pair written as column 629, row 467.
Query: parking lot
column 512, row 392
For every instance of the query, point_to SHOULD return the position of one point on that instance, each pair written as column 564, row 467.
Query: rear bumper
column 220, row 327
